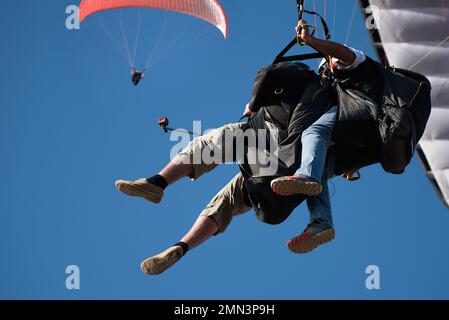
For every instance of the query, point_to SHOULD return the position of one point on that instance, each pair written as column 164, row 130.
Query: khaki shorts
column 206, row 145
column 230, row 201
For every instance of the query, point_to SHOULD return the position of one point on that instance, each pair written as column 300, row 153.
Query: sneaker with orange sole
column 316, row 234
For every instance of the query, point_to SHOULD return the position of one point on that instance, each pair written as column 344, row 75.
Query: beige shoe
column 141, row 188
column 161, row 262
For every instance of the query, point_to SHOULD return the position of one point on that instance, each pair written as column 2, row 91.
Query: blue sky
column 71, row 124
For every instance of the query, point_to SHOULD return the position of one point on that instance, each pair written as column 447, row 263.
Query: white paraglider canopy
column 414, row 34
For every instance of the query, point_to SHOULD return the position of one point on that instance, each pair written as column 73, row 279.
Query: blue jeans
column 315, row 141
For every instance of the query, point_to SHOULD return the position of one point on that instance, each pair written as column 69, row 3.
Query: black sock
column 184, row 246
column 158, row 180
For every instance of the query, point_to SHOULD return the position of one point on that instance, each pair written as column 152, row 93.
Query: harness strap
column 300, row 57
column 281, row 56
column 327, row 34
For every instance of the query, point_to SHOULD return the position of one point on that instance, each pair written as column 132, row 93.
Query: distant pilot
column 136, row 76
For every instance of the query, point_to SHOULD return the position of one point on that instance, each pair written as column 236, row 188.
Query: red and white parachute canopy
column 208, row 10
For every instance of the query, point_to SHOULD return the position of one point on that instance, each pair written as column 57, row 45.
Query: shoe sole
column 288, row 187
column 161, row 262
column 152, row 195
column 304, row 246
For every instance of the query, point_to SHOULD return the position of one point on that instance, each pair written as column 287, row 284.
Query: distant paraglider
column 136, row 76
column 206, row 10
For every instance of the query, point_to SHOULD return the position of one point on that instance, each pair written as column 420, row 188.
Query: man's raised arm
column 329, row 48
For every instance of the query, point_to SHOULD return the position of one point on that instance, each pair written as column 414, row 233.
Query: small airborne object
column 137, row 76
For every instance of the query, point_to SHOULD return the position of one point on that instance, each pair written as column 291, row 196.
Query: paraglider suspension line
column 114, row 41
column 125, row 40
column 136, row 43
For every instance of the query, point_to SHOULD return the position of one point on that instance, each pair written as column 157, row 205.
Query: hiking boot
column 316, row 234
column 141, row 188
column 287, row 186
column 161, row 262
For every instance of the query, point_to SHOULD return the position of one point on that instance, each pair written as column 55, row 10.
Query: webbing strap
column 281, row 56
column 301, row 57
column 327, row 34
